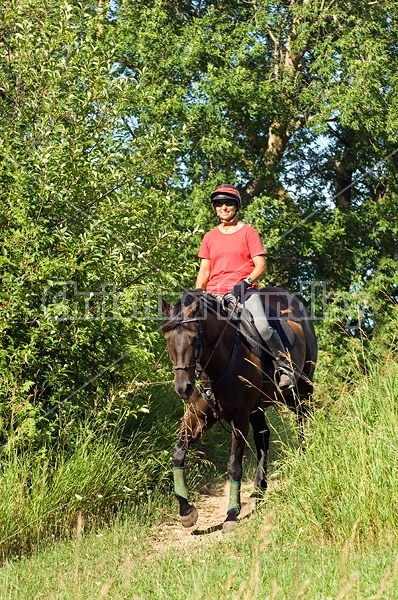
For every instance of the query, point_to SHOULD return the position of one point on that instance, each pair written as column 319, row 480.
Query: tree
column 294, row 101
column 82, row 245
column 117, row 119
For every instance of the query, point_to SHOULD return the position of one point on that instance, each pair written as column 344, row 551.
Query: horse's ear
column 166, row 307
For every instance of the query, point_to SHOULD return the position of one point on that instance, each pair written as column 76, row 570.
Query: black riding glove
column 239, row 289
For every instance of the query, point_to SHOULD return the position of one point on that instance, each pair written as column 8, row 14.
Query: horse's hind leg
column 197, row 419
column 261, row 435
column 239, row 433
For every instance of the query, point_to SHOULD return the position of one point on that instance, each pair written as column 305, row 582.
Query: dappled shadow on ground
column 208, row 530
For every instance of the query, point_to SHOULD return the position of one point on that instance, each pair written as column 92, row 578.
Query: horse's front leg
column 188, row 513
column 197, row 419
column 235, row 471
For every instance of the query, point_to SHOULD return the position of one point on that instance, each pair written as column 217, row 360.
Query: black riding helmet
column 225, row 191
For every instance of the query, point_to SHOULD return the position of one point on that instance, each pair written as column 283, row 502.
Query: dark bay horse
column 235, row 383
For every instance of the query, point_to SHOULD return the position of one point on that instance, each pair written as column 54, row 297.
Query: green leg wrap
column 180, row 487
column 234, row 496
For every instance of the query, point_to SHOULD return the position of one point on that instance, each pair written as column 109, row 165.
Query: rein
column 208, row 393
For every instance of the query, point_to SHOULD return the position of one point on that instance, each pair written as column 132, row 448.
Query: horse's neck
column 219, row 336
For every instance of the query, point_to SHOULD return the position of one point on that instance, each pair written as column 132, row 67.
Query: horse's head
column 183, row 335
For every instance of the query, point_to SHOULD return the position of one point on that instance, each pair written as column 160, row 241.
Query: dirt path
column 212, row 507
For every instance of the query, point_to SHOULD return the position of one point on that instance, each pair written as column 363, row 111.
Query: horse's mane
column 177, row 316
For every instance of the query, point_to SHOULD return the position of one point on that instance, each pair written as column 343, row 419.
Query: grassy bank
column 131, row 561
column 99, row 474
column 327, row 529
column 346, row 481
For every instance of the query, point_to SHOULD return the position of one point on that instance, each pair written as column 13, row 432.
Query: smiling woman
column 232, row 259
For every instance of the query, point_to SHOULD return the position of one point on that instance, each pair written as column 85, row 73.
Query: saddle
column 247, row 332
column 244, row 322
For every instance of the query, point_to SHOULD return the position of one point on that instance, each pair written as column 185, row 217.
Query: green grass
column 347, row 478
column 326, row 530
column 101, row 475
column 259, row 560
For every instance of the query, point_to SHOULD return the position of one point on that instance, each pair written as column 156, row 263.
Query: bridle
column 198, row 346
column 207, row 392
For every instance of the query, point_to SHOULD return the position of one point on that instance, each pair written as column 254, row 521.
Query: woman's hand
column 240, row 289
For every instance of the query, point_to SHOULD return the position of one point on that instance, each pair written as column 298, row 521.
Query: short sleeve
column 204, row 251
column 254, row 242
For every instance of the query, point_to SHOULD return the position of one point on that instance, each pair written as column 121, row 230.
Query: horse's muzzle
column 184, row 389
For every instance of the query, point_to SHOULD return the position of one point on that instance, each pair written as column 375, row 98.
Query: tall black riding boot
column 285, row 369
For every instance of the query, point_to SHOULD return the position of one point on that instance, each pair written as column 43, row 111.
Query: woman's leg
column 255, row 306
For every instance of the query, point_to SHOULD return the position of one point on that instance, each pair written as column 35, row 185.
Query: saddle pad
column 252, row 338
column 286, row 333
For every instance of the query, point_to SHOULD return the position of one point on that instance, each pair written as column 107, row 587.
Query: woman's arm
column 203, row 274
column 260, row 265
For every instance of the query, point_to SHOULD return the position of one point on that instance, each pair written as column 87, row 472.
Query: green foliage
column 83, row 246
column 340, row 485
column 116, row 121
column 290, row 100
column 114, row 463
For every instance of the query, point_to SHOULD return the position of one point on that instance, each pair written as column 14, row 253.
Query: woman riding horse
column 205, row 346
column 201, row 337
column 232, row 259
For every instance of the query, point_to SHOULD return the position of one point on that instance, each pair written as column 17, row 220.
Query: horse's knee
column 179, row 453
column 234, row 468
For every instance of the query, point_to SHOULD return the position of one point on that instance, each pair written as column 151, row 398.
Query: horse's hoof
column 190, row 519
column 229, row 526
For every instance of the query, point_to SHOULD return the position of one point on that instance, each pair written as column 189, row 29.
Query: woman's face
column 225, row 209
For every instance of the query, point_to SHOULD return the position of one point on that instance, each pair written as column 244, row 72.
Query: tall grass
column 99, row 474
column 347, row 479
column 40, row 498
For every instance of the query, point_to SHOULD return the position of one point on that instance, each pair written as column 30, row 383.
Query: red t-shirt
column 231, row 256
